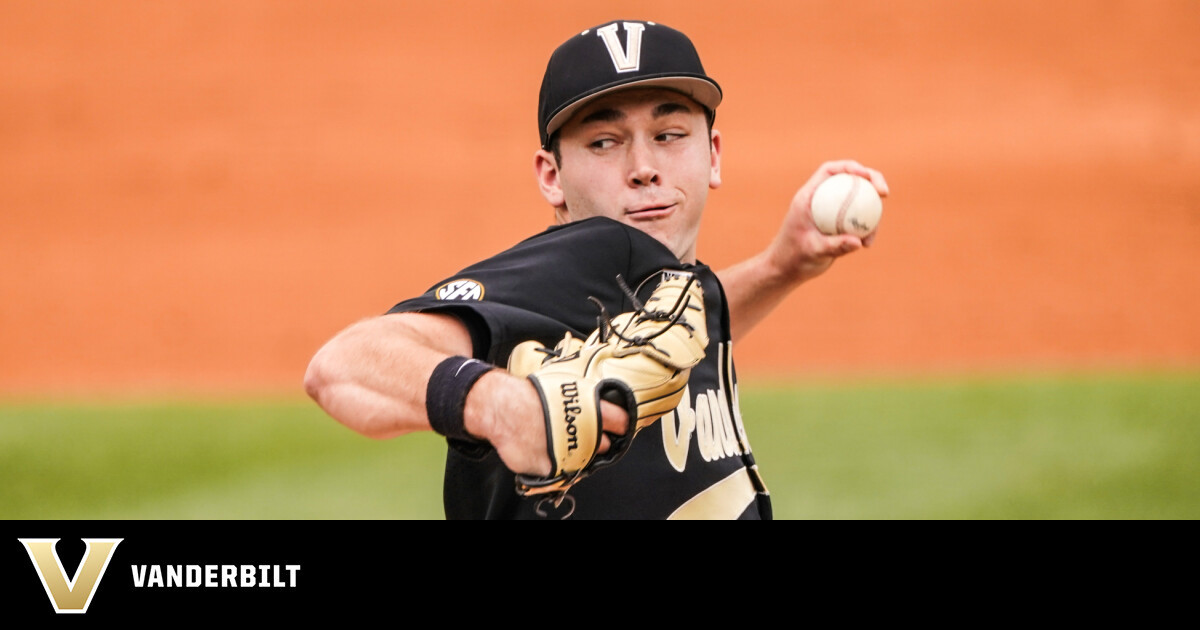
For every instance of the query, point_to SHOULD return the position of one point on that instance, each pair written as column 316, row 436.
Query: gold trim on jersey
column 724, row 500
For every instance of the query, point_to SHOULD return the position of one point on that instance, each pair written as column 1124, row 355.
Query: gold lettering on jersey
column 677, row 428
column 717, row 449
column 715, row 418
column 726, row 358
column 704, row 429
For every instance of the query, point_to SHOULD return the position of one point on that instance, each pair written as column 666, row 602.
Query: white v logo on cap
column 624, row 59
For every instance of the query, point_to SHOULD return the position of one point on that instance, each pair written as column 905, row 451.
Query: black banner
column 224, row 570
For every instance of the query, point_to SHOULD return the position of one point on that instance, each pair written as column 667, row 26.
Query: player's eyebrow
column 666, row 109
column 606, row 114
column 612, row 114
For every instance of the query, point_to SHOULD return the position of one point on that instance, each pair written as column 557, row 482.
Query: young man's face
column 640, row 156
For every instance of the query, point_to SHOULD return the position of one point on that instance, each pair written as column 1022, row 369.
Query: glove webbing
column 671, row 316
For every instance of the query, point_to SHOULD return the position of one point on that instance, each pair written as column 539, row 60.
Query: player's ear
column 714, row 178
column 545, row 168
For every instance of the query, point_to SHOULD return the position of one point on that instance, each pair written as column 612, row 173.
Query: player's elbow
column 331, row 365
column 316, row 378
column 319, row 378
column 331, row 382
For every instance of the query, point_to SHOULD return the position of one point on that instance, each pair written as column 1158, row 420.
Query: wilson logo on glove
column 571, row 411
column 639, row 360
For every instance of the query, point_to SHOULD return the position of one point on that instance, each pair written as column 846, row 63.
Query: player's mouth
column 650, row 212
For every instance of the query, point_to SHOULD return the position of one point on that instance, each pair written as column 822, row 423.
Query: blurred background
column 197, row 195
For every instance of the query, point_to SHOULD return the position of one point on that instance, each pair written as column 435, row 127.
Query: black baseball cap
column 615, row 55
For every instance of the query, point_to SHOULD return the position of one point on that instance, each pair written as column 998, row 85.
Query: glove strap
column 446, row 395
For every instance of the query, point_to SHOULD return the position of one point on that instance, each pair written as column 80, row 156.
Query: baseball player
column 587, row 371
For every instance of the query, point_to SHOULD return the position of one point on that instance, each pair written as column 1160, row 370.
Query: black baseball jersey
column 695, row 462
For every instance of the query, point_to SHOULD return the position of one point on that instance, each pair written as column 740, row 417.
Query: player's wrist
column 780, row 268
column 446, row 396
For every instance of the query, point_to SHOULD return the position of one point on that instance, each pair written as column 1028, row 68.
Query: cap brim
column 703, row 91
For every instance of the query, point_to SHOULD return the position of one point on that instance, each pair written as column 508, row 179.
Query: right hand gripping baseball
column 640, row 360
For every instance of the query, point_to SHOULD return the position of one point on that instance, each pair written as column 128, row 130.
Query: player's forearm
column 753, row 288
column 371, row 377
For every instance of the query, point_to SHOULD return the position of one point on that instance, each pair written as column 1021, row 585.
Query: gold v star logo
column 72, row 595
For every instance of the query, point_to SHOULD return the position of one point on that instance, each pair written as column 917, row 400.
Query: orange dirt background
column 196, row 195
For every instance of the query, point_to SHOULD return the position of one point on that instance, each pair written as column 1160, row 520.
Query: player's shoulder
column 582, row 256
column 594, row 239
column 593, row 230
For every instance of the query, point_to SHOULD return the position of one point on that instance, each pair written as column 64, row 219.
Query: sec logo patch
column 460, row 290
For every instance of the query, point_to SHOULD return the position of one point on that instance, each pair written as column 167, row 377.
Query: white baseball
column 846, row 204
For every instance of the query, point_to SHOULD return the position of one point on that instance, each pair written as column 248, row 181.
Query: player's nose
column 642, row 168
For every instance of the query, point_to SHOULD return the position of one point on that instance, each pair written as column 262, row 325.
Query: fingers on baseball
column 843, row 244
column 833, row 167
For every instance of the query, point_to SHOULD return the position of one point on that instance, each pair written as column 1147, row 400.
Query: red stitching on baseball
column 839, row 225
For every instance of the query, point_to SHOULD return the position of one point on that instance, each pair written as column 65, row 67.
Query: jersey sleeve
column 544, row 286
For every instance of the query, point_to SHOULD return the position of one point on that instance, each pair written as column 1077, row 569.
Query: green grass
column 1032, row 448
column 1039, row 448
column 231, row 460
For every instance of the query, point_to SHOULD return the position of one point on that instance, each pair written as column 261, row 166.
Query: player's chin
column 658, row 228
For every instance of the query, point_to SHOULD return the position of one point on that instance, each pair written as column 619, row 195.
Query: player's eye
column 603, row 143
column 668, row 136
